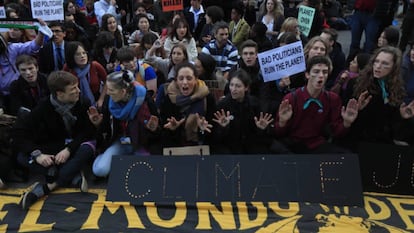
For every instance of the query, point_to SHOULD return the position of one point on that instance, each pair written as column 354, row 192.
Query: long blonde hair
column 277, row 10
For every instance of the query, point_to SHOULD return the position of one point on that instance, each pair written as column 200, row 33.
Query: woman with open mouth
column 384, row 116
column 91, row 75
column 186, row 109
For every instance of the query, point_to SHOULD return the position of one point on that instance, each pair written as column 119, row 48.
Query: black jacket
column 44, row 129
column 21, row 93
column 241, row 136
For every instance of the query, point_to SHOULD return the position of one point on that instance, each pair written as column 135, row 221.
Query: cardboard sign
column 330, row 179
column 172, row 5
column 48, row 10
column 282, row 61
column 305, row 19
column 387, row 168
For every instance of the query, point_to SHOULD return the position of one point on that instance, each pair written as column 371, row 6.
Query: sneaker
column 32, row 195
column 83, row 184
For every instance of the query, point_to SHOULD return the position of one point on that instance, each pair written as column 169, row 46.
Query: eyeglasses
column 57, row 31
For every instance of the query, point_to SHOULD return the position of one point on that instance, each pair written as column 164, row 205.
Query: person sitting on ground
column 221, row 49
column 186, row 109
column 355, row 67
column 257, row 33
column 56, row 138
column 389, row 37
column 104, row 51
column 31, row 86
column 130, row 118
column 240, row 124
column 143, row 26
column 144, row 73
column 336, row 54
column 383, row 117
column 180, row 33
column 91, row 75
column 213, row 15
column 238, row 27
column 304, row 114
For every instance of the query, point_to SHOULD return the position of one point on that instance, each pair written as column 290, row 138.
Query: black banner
column 329, row 179
column 387, row 168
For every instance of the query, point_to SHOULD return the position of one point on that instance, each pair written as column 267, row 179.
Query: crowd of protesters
column 127, row 78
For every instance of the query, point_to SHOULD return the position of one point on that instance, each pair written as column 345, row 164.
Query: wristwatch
column 34, row 155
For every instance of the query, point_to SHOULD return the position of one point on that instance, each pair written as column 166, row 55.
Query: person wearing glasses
column 383, row 115
column 52, row 54
column 129, row 119
column 91, row 75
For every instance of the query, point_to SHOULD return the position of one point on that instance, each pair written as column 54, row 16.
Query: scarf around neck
column 84, row 83
column 64, row 110
column 128, row 111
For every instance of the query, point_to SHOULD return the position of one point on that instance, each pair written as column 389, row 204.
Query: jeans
column 102, row 164
column 364, row 21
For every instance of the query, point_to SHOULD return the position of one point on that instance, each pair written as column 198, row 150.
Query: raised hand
column 285, row 112
column 407, row 111
column 363, row 100
column 173, row 124
column 222, row 118
column 203, row 124
column 263, row 121
column 152, row 123
column 94, row 116
column 350, row 113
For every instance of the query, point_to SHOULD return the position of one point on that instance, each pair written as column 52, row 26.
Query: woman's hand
column 363, row 100
column 173, row 124
column 203, row 124
column 350, row 113
column 407, row 111
column 94, row 116
column 222, row 118
column 344, row 76
column 152, row 123
column 263, row 121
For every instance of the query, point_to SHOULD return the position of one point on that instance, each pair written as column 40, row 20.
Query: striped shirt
column 225, row 57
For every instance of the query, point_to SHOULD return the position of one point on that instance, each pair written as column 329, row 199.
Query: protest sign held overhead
column 48, row 10
column 305, row 19
column 282, row 62
column 172, row 5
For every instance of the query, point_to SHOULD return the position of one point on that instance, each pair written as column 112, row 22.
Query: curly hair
column 117, row 34
column 395, row 84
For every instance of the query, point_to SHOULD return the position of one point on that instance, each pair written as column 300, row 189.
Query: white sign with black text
column 282, row 62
